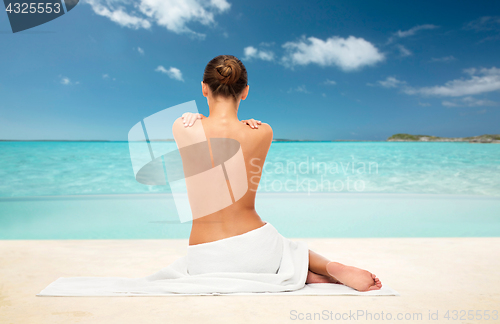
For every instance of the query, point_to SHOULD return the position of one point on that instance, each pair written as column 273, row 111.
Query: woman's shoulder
column 266, row 127
column 264, row 131
column 263, row 128
column 259, row 137
column 184, row 136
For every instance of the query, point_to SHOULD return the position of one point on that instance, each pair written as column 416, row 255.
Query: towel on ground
column 260, row 261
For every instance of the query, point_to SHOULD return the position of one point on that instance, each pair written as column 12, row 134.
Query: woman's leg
column 320, row 268
column 317, row 263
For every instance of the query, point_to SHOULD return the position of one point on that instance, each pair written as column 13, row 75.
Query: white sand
column 431, row 274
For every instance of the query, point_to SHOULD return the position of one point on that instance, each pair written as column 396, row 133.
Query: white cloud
column 67, row 81
column 106, row 77
column 174, row 15
column 404, row 51
column 473, row 102
column 251, row 53
column 412, row 31
column 391, row 82
column 469, row 102
column 480, row 81
column 443, row 59
column 484, row 24
column 172, row 72
column 330, row 82
column 118, row 14
column 346, row 53
column 301, row 88
column 221, row 5
column 424, row 104
column 140, row 50
column 470, row 71
column 449, row 104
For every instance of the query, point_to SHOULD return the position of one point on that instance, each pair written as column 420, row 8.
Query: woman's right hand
column 190, row 118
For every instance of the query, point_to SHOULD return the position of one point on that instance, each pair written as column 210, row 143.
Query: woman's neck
column 224, row 110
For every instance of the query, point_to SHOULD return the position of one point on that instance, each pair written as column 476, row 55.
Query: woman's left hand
column 252, row 123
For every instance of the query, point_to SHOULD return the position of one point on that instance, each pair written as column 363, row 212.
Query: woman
column 231, row 250
column 225, row 85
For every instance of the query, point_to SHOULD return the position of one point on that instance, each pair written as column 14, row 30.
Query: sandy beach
column 431, row 274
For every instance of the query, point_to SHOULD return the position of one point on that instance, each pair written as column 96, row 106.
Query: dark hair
column 226, row 76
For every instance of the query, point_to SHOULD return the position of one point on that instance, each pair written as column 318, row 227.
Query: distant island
column 429, row 138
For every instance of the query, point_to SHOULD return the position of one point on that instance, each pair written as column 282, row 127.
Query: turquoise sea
column 90, row 168
column 87, row 190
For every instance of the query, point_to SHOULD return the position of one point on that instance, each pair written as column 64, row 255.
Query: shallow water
column 87, row 190
column 148, row 216
column 76, row 168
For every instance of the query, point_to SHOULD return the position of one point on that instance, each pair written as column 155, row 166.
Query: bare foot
column 313, row 277
column 353, row 277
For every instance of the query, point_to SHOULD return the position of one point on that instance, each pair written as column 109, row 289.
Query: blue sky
column 323, row 70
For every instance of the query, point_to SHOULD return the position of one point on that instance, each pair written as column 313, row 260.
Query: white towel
column 261, row 262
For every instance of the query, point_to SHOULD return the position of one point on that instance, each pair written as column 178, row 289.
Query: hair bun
column 228, row 72
column 226, row 76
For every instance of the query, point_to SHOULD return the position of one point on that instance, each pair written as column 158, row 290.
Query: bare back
column 240, row 216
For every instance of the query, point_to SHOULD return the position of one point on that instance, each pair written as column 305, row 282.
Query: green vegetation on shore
column 428, row 138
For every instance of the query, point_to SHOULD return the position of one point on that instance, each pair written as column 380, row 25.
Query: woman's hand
column 190, row 118
column 252, row 123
